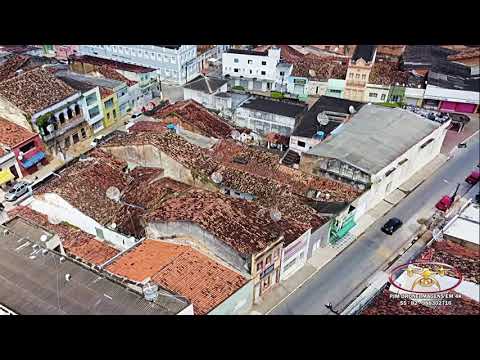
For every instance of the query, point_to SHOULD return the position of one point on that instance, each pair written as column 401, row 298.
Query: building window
column 99, row 233
column 282, row 73
column 75, row 138
column 61, row 117
column 263, row 73
column 373, row 95
column 250, row 62
column 382, row 97
column 301, row 143
column 268, row 261
column 250, row 71
column 114, row 113
column 351, row 75
column 364, row 76
column 235, row 70
column 264, row 63
column 235, row 60
column 67, row 142
column 27, row 147
column 259, row 266
column 84, row 133
column 357, row 76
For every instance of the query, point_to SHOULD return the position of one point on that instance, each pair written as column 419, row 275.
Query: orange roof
column 12, row 134
column 181, row 269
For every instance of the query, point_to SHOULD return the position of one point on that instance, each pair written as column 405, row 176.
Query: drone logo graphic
column 427, row 275
column 426, row 279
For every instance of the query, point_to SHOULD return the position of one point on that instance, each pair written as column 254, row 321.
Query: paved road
column 340, row 281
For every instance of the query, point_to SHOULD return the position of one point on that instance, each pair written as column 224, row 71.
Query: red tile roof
column 148, row 126
column 75, row 242
column 84, row 185
column 111, row 73
column 35, row 90
column 262, row 176
column 388, row 73
column 9, row 67
column 12, row 134
column 244, row 225
column 197, row 116
column 181, row 269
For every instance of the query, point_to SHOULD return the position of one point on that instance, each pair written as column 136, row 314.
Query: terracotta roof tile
column 197, row 116
column 388, row 73
column 84, row 185
column 244, row 225
column 182, row 270
column 111, row 73
column 35, row 90
column 12, row 134
column 9, row 67
column 75, row 242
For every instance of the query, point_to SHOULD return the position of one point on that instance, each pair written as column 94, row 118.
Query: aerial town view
column 239, row 180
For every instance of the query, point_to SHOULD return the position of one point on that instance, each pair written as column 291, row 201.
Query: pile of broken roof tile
column 75, row 242
column 84, row 185
column 244, row 225
column 197, row 116
column 388, row 73
column 35, row 90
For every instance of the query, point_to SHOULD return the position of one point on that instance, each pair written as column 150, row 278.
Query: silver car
column 17, row 191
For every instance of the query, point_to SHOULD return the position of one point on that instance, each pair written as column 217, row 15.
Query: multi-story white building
column 174, row 63
column 256, row 70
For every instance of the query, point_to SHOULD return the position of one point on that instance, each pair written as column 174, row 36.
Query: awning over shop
column 35, row 159
column 6, row 176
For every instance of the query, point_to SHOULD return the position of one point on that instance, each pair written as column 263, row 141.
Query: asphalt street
column 340, row 281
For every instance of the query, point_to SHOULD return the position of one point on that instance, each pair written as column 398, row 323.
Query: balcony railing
column 69, row 125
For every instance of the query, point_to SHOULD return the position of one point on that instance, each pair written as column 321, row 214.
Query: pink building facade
column 62, row 52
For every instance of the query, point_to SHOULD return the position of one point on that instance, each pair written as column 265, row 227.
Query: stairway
column 290, row 158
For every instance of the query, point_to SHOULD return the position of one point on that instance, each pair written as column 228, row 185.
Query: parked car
column 444, row 203
column 473, row 178
column 136, row 115
column 392, row 225
column 17, row 191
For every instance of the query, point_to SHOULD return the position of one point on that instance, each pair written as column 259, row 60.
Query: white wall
column 207, row 100
column 52, row 204
column 253, row 69
column 381, row 92
column 309, row 143
column 187, row 311
column 417, row 158
column 247, row 118
column 316, row 88
column 294, row 256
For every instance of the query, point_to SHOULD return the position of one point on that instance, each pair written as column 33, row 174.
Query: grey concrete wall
column 238, row 303
column 147, row 156
column 320, row 235
column 199, row 239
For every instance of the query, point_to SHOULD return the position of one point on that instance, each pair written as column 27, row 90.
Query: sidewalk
column 324, row 255
column 452, row 138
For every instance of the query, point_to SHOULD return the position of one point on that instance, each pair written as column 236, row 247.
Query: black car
column 391, row 226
